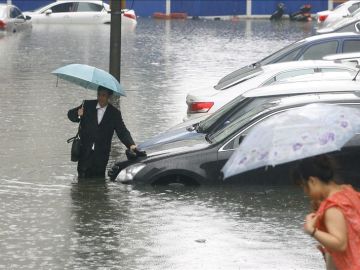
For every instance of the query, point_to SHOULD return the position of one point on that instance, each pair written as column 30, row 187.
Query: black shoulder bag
column 76, row 144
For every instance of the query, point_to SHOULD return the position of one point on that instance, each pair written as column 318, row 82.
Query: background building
column 145, row 8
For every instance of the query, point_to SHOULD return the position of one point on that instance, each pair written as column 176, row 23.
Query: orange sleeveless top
column 348, row 202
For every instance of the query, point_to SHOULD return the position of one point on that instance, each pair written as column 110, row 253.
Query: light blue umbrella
column 293, row 135
column 89, row 77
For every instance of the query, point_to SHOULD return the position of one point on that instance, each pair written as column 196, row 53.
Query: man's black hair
column 101, row 88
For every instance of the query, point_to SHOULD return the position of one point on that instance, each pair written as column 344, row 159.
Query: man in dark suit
column 99, row 120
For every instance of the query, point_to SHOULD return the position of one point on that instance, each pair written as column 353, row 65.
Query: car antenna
column 357, row 73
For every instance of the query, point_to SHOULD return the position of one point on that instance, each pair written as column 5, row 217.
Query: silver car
column 13, row 20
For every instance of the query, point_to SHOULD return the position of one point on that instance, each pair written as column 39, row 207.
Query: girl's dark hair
column 322, row 167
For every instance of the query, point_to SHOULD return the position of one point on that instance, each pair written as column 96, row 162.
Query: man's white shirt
column 100, row 112
column 100, row 115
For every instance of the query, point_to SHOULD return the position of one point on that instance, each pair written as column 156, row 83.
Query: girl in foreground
column 336, row 223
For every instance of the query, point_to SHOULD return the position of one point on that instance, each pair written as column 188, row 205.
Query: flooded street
column 50, row 221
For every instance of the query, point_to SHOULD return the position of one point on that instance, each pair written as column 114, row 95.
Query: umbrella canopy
column 89, row 77
column 295, row 134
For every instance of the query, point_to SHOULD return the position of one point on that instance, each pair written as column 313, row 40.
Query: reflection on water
column 49, row 221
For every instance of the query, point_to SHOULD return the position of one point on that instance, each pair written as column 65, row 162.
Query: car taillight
column 2, row 25
column 322, row 18
column 129, row 15
column 200, row 107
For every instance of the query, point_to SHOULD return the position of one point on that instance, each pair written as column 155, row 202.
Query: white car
column 345, row 24
column 207, row 101
column 79, row 12
column 326, row 17
column 12, row 19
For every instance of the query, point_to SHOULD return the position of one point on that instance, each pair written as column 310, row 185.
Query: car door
column 319, row 50
column 90, row 13
column 61, row 13
column 261, row 176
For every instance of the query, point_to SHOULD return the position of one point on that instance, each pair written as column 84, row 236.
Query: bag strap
column 79, row 128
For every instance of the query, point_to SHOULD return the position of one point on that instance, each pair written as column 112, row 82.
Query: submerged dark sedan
column 199, row 159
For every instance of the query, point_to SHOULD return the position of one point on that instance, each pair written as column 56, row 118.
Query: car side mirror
column 27, row 17
column 48, row 12
column 21, row 17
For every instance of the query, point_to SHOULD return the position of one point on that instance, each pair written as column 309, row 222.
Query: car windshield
column 2, row 12
column 282, row 52
column 206, row 124
column 243, row 117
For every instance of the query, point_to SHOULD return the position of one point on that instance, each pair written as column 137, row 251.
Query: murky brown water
column 49, row 221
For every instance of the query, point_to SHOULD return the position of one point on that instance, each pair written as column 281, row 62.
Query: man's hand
column 81, row 112
column 133, row 153
column 132, row 147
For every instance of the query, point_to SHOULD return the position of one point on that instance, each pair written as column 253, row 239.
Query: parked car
column 346, row 24
column 198, row 159
column 347, row 9
column 207, row 101
column 79, row 12
column 311, row 48
column 12, row 19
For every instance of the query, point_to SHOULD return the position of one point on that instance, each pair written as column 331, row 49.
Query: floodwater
column 49, row 221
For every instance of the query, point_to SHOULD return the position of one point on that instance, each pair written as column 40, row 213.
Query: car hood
column 192, row 141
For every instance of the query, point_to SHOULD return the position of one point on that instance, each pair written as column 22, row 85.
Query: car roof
column 330, row 35
column 293, row 88
column 304, row 64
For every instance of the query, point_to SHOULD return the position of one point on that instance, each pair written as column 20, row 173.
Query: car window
column 351, row 46
column 353, row 8
column 242, row 117
column 318, row 51
column 290, row 74
column 89, row 7
column 14, row 12
column 290, row 57
column 63, row 7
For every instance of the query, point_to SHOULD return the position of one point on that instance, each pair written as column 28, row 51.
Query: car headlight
column 129, row 172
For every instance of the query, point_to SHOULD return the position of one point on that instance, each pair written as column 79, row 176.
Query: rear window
column 273, row 58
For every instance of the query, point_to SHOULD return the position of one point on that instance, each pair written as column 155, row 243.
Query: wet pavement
column 50, row 221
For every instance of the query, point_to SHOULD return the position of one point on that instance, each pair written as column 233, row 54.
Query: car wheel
column 175, row 180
